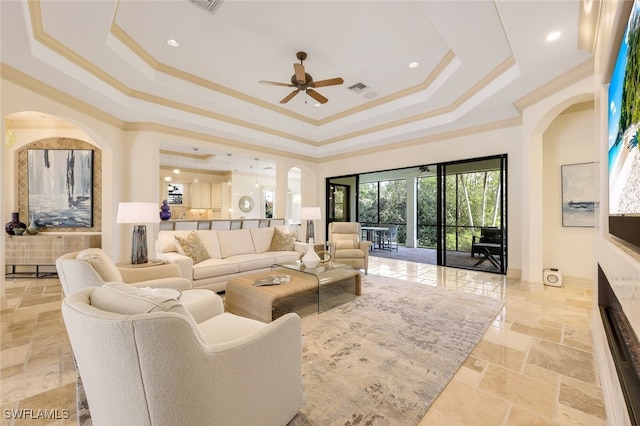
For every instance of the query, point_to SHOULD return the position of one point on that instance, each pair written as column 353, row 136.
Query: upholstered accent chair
column 346, row 246
column 145, row 361
column 93, row 268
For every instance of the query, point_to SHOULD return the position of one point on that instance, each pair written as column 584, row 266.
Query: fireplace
column 623, row 343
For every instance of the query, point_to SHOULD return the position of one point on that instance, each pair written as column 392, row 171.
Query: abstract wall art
column 60, row 187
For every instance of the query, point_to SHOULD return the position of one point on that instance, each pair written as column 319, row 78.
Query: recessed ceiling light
column 317, row 105
column 553, row 36
column 173, row 43
column 414, row 65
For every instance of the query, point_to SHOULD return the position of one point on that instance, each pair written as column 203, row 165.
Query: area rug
column 383, row 358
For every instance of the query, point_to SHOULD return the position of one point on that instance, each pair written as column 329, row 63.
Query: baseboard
column 580, row 282
column 513, row 273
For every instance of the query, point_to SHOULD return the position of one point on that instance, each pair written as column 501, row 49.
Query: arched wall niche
column 536, row 120
column 61, row 143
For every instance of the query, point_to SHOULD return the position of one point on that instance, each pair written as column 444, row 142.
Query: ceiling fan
column 303, row 82
column 419, row 171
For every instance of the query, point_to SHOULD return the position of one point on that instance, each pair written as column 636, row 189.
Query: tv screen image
column 624, row 119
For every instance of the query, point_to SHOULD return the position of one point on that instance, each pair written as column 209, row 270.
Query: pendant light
column 195, row 160
column 176, row 170
column 256, row 169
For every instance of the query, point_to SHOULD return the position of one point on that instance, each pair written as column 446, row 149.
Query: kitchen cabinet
column 216, row 195
column 201, row 195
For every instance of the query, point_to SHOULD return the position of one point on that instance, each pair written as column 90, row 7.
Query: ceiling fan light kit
column 303, row 82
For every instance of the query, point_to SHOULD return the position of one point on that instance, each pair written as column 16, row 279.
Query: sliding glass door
column 473, row 212
column 450, row 214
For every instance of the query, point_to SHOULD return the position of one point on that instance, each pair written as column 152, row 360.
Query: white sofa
column 232, row 252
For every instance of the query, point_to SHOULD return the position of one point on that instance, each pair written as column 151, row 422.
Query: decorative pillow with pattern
column 282, row 241
column 193, row 247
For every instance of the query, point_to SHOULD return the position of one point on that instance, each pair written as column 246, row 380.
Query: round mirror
column 246, row 204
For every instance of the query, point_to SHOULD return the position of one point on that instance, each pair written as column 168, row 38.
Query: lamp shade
column 138, row 213
column 310, row 213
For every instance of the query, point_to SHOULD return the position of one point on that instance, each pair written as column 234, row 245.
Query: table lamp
column 310, row 214
column 138, row 214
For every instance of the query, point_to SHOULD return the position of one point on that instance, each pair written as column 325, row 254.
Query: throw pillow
column 125, row 299
column 344, row 244
column 103, row 265
column 193, row 247
column 282, row 241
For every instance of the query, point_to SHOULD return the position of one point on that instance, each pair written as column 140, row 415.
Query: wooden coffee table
column 245, row 299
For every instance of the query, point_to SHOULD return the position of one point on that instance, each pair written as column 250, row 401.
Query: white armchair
column 346, row 246
column 145, row 361
column 93, row 268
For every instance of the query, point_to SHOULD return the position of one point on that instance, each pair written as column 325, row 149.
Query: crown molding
column 582, row 71
column 510, row 122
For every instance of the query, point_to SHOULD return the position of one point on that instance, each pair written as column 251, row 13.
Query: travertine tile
column 468, row 405
column 563, row 359
column 436, row 418
column 13, row 356
column 504, row 336
column 582, row 397
column 30, row 383
column 567, row 416
column 541, row 374
column 59, row 403
column 541, row 332
column 522, row 390
column 579, row 338
column 521, row 417
column 500, row 355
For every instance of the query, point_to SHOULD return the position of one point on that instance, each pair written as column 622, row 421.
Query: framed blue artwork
column 579, row 194
column 60, row 187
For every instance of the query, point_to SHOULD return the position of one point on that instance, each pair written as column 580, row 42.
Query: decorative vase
column 165, row 213
column 311, row 258
column 15, row 223
column 33, row 228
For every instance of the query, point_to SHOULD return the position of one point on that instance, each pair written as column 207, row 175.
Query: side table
column 150, row 263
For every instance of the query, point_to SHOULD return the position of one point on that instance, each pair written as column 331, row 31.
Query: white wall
column 568, row 140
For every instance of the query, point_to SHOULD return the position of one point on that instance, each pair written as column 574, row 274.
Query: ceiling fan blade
column 329, row 82
column 289, row 97
column 273, row 83
column 317, row 96
column 300, row 76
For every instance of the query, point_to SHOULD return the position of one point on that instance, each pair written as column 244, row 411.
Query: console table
column 43, row 249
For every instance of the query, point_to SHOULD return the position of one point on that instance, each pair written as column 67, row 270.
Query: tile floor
column 534, row 366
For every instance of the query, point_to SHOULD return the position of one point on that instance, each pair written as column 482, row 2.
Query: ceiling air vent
column 358, row 87
column 208, row 5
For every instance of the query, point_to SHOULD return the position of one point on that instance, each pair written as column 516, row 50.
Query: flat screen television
column 623, row 124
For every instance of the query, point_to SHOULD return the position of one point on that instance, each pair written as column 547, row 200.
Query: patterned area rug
column 384, row 358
